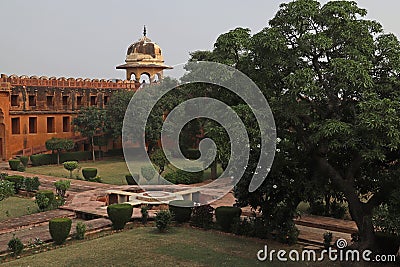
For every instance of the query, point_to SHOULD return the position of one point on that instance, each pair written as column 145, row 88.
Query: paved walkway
column 28, row 235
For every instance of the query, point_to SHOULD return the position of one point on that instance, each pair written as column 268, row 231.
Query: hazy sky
column 89, row 38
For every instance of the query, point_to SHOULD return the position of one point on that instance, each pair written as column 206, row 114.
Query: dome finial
column 144, row 31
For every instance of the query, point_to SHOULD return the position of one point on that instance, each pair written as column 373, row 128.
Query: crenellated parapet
column 63, row 82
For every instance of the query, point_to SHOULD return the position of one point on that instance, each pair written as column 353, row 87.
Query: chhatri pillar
column 144, row 57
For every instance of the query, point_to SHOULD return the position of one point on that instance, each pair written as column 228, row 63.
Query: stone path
column 33, row 219
column 41, row 231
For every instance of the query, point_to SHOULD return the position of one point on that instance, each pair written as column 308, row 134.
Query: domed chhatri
column 144, row 57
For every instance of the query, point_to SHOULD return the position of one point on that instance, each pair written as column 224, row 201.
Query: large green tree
column 90, row 122
column 331, row 79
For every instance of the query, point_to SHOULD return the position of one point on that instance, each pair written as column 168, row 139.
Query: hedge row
column 47, row 159
column 184, row 177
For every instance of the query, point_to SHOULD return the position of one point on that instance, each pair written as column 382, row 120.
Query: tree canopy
column 90, row 122
column 331, row 79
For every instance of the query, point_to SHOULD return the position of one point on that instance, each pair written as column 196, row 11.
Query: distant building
column 35, row 109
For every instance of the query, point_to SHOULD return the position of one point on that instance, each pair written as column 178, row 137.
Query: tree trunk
column 93, row 155
column 58, row 157
column 213, row 167
column 361, row 213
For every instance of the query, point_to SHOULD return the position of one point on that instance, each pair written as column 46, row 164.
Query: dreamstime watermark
column 144, row 100
column 340, row 254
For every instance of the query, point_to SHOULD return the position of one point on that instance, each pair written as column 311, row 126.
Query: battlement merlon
column 7, row 82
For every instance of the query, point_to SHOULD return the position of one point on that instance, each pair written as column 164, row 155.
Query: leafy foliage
column 163, row 220
column 59, row 144
column 6, row 189
column 331, row 79
column 62, row 186
column 202, row 216
column 185, row 177
column 17, row 180
column 226, row 215
column 45, row 199
column 90, row 122
column 70, row 166
column 80, row 231
column 15, row 245
column 24, row 160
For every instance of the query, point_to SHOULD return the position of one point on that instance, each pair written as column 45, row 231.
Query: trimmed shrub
column 191, row 153
column 15, row 245
column 59, row 229
column 24, row 160
column 130, row 178
column 31, row 184
column 148, row 172
column 70, row 166
column 181, row 209
column 80, row 230
column 43, row 159
column 62, row 186
column 226, row 215
column 75, row 156
column 202, row 216
column 89, row 173
column 119, row 214
column 44, row 199
column 17, row 180
column 115, row 152
column 184, row 177
column 21, row 168
column 14, row 163
column 163, row 220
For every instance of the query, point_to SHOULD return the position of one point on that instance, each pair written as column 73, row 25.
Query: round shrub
column 163, row 220
column 89, row 173
column 59, row 229
column 70, row 166
column 119, row 214
column 17, row 180
column 14, row 163
column 132, row 178
column 24, row 160
column 181, row 209
column 226, row 215
column 44, row 199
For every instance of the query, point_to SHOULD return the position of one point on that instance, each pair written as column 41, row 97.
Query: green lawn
column 144, row 246
column 111, row 170
column 16, row 206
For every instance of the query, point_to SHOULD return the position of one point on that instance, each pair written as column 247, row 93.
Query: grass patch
column 16, row 206
column 144, row 246
column 111, row 170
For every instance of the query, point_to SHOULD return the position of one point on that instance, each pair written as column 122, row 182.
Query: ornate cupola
column 144, row 57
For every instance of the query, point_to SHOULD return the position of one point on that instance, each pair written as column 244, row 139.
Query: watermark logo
column 139, row 112
column 342, row 254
